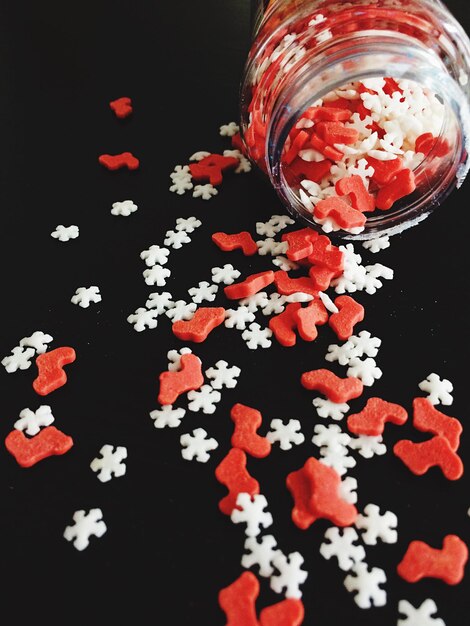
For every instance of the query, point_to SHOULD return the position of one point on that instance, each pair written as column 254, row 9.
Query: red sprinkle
column 384, row 171
column 336, row 132
column 371, row 420
column 118, row 161
column 203, row 322
column 422, row 561
column 247, row 421
column 288, row 612
column 300, row 243
column 297, row 144
column 51, row 374
column 340, row 211
column 328, row 114
column 309, row 317
column 122, row 107
column 315, row 489
column 402, row 185
column 188, row 378
column 325, row 254
column 249, row 286
column 232, row 473
column 29, row 451
column 429, row 420
column 240, row 241
column 287, row 286
column 238, row 600
column 311, row 170
column 350, row 313
column 334, row 388
column 328, row 151
column 211, row 167
column 284, row 325
column 353, row 186
column 420, row 457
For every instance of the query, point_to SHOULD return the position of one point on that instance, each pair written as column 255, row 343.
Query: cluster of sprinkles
column 318, row 295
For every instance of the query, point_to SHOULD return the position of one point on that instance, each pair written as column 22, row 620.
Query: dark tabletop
column 168, row 550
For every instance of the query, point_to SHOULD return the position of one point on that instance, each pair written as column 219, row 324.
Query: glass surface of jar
column 398, row 69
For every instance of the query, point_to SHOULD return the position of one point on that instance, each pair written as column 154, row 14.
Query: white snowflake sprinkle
column 251, row 512
column 287, row 435
column 204, row 399
column 110, row 464
column 167, row 416
column 325, row 408
column 181, row 310
column 142, row 319
column 188, row 224
column 260, row 553
column 367, row 585
column 85, row 295
column 222, row 375
column 197, row 445
column 199, row 155
column 285, row 264
column 421, row 616
column 377, row 525
column 274, row 305
column 31, row 422
column 161, row 302
column 347, row 489
column 65, row 233
column 85, row 525
column 124, row 208
column 226, row 274
column 204, row 291
column 439, row 391
column 174, row 358
column 368, row 446
column 155, row 256
column 205, row 192
column 238, row 318
column 156, row 275
column 376, row 245
column 365, row 370
column 229, row 130
column 19, row 359
column 257, row 337
column 38, row 341
column 291, row 575
column 176, row 238
column 340, row 543
column 256, row 301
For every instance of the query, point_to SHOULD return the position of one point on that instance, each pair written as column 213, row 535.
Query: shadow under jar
column 371, row 89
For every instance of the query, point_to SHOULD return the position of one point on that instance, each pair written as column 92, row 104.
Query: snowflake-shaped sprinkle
column 31, row 422
column 155, row 256
column 203, row 399
column 266, row 229
column 223, row 376
column 281, row 221
column 197, row 445
column 272, row 247
column 363, row 344
column 299, row 296
column 19, row 359
column 226, row 274
column 274, row 305
column 110, row 464
column 188, row 224
column 167, row 416
column 261, row 553
column 257, row 337
column 368, row 446
column 244, row 165
column 204, row 291
column 160, row 301
column 65, row 233
column 142, row 319
column 156, row 275
column 422, row 616
column 205, row 192
column 373, row 273
column 325, row 408
column 367, row 585
column 181, row 171
column 328, row 302
column 85, row 525
column 176, row 238
column 38, row 341
column 291, row 575
column 366, row 370
column 124, row 208
column 439, row 391
column 85, row 295
column 174, row 358
column 181, row 185
column 376, row 245
column 286, row 434
column 330, row 436
column 181, row 311
column 340, row 543
column 333, row 448
column 285, row 264
column 377, row 526
column 250, row 510
column 256, row 301
column 229, row 130
column 347, row 489
column 238, row 318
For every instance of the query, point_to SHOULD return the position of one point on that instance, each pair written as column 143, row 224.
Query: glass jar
column 310, row 53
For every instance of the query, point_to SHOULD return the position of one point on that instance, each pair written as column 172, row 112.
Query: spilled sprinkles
column 270, row 307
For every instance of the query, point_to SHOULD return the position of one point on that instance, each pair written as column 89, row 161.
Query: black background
column 168, row 549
